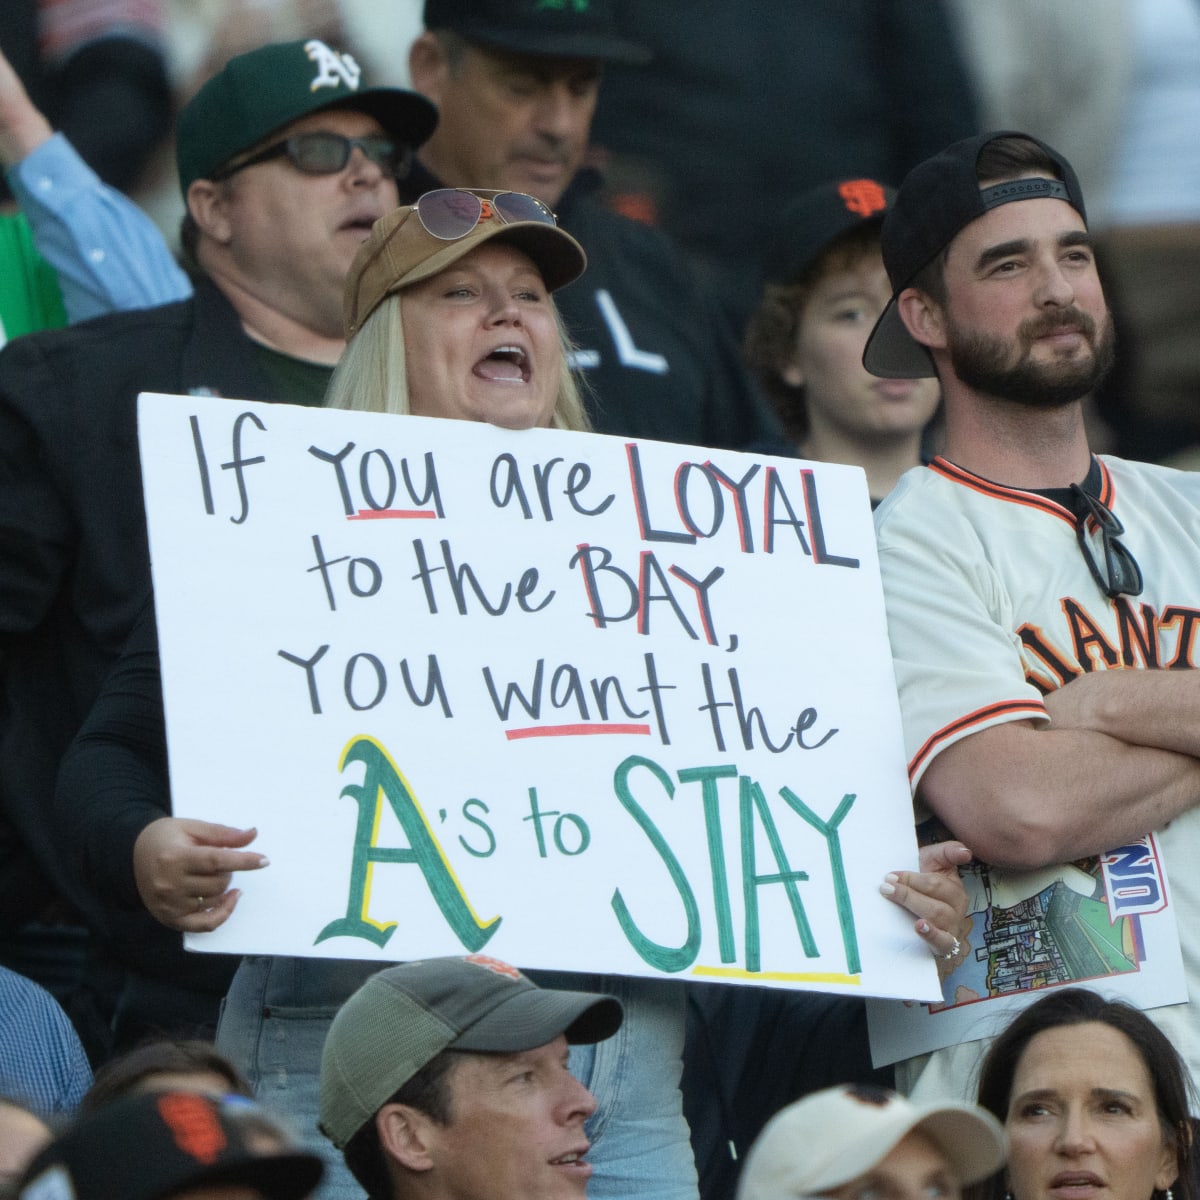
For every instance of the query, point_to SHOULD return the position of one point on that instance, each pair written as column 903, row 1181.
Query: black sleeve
column 37, row 531
column 113, row 779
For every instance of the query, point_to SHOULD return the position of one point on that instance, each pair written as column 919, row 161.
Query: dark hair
column 1079, row 1006
column 772, row 330
column 428, row 1091
column 1001, row 159
column 128, row 1072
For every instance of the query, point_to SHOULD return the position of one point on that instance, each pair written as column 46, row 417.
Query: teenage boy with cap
column 826, row 286
column 804, row 344
column 515, row 82
column 172, row 1146
column 286, row 157
column 846, row 1141
column 447, row 1079
column 1021, row 571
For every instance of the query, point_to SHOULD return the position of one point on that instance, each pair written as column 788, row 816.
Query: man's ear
column 407, row 1135
column 206, row 202
column 923, row 318
column 427, row 66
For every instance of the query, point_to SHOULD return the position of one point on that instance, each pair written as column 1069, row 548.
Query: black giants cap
column 160, row 1144
column 820, row 216
column 937, row 199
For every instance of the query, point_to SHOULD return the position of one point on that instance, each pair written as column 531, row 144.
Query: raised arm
column 108, row 254
column 22, row 126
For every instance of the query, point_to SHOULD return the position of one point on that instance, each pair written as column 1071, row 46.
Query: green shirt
column 29, row 294
column 300, row 381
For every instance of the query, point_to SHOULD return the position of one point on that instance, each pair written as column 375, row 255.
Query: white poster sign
column 571, row 700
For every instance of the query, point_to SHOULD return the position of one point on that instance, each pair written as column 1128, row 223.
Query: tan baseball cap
column 401, row 250
column 837, row 1134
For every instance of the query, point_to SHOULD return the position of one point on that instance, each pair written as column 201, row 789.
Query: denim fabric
column 278, row 1010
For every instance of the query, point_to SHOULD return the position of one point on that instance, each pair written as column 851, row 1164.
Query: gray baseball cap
column 403, row 1017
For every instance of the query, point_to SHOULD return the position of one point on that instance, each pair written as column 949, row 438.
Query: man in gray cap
column 516, row 82
column 1030, row 583
column 447, row 1079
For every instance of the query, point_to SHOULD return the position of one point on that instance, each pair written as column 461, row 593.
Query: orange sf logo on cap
column 863, row 197
column 494, row 965
column 194, row 1125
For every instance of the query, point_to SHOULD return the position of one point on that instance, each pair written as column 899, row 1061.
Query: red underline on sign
column 571, row 730
column 393, row 514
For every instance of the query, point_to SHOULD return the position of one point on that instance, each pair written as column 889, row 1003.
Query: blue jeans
column 278, row 1010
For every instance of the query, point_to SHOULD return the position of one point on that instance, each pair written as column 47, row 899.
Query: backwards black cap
column 937, row 199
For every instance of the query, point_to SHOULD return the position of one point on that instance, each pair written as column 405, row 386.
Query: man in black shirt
column 516, row 86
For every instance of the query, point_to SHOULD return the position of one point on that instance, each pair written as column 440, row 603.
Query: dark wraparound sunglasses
column 321, row 153
column 1113, row 568
column 451, row 213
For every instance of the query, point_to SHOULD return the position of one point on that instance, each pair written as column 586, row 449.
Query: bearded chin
column 981, row 362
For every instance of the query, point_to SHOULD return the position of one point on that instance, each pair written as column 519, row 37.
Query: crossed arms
column 1119, row 759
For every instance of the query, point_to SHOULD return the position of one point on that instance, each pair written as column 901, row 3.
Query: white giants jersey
column 991, row 604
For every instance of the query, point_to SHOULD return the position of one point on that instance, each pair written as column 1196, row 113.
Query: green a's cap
column 263, row 90
column 405, row 1016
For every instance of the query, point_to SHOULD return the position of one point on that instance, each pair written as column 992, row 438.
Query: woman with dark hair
column 1094, row 1099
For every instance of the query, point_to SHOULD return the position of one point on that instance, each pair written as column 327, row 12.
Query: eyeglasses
column 323, row 153
column 451, row 213
column 1120, row 575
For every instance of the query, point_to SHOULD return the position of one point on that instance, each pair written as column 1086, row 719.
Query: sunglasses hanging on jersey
column 1112, row 565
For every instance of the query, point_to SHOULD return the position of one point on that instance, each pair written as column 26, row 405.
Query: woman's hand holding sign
column 183, row 869
column 936, row 897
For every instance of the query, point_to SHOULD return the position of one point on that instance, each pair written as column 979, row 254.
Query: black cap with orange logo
column 161, row 1144
column 818, row 217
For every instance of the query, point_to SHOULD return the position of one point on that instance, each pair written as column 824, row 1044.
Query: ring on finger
column 953, row 952
column 200, row 905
